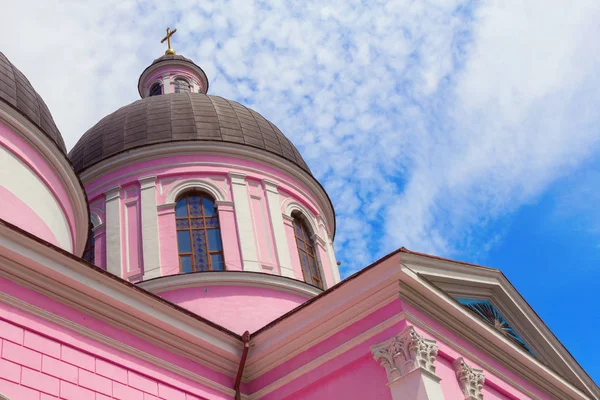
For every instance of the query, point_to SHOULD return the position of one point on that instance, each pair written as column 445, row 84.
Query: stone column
column 114, row 258
column 150, row 242
column 281, row 244
column 409, row 361
column 243, row 219
column 470, row 380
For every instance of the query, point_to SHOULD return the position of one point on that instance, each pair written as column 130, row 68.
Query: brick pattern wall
column 34, row 367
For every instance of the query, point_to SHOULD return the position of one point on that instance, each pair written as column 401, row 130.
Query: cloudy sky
column 466, row 129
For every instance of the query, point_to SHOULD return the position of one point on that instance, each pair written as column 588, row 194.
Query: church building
column 183, row 250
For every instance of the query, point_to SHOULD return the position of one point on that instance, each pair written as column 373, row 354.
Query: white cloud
column 424, row 120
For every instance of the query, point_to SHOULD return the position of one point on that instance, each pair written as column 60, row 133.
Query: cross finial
column 170, row 33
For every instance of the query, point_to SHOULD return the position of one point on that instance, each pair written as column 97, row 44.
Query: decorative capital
column 405, row 353
column 471, row 380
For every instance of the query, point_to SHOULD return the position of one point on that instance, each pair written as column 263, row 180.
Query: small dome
column 16, row 91
column 180, row 117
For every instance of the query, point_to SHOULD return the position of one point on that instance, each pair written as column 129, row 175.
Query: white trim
column 60, row 164
column 116, row 344
column 278, row 228
column 309, row 186
column 114, row 258
column 67, row 280
column 245, row 225
column 293, row 205
column 150, row 240
column 230, row 278
column 95, row 220
column 194, row 183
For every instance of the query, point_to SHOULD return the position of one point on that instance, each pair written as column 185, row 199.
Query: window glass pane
column 217, row 262
column 183, row 242
column 181, row 85
column 195, row 207
column 181, row 208
column 298, row 230
column 186, row 264
column 214, row 240
column 209, row 207
column 200, row 253
column 182, row 223
column 313, row 266
column 197, row 223
column 301, row 244
column 156, row 90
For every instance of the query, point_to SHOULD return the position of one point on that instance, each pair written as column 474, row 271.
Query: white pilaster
column 243, row 219
column 150, row 241
column 470, row 380
column 281, row 243
column 114, row 259
column 332, row 261
column 409, row 361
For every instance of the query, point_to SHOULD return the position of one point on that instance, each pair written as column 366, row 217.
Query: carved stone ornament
column 405, row 353
column 471, row 380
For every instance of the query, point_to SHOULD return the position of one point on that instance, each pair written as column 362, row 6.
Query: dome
column 180, row 117
column 16, row 90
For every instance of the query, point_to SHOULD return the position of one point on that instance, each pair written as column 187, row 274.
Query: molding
column 404, row 353
column 113, row 193
column 88, row 289
column 309, row 186
column 330, row 355
column 147, row 182
column 469, row 379
column 282, row 248
column 438, row 273
column 233, row 278
column 194, row 183
column 116, row 344
column 224, row 203
column 270, row 186
column 61, row 165
column 114, row 219
column 166, row 206
column 237, row 178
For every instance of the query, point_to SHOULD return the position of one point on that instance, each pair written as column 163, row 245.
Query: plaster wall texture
column 237, row 308
column 215, row 175
column 28, row 176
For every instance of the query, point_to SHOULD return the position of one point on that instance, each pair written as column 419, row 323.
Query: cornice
column 60, row 276
column 233, row 278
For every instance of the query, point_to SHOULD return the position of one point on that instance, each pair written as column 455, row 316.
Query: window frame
column 299, row 220
column 181, row 79
column 190, row 229
column 156, row 84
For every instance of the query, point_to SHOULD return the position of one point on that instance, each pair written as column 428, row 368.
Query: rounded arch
column 3, row 397
column 191, row 184
column 95, row 220
column 156, row 88
column 296, row 208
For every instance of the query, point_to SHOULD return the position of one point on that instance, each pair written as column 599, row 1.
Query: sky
column 464, row 129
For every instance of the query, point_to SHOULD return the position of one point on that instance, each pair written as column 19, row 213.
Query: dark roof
column 180, row 117
column 16, row 90
column 167, row 57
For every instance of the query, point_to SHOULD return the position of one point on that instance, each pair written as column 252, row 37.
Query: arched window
column 89, row 254
column 306, row 250
column 198, row 234
column 181, row 85
column 156, row 90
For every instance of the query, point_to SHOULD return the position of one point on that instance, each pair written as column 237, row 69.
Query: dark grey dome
column 16, row 91
column 178, row 117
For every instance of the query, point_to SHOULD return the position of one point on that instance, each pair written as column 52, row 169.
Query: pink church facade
column 183, row 250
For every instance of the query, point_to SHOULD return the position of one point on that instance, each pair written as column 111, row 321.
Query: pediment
column 463, row 282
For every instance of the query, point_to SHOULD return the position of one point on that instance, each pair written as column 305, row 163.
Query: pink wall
column 89, row 346
column 37, row 367
column 361, row 379
column 237, row 308
column 35, row 161
column 263, row 233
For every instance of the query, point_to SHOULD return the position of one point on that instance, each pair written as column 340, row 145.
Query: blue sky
column 465, row 129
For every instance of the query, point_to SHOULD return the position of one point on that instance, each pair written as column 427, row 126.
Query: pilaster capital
column 237, row 178
column 112, row 194
column 270, row 186
column 147, row 182
column 405, row 353
column 470, row 380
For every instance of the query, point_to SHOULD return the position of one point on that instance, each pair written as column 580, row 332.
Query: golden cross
column 170, row 33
